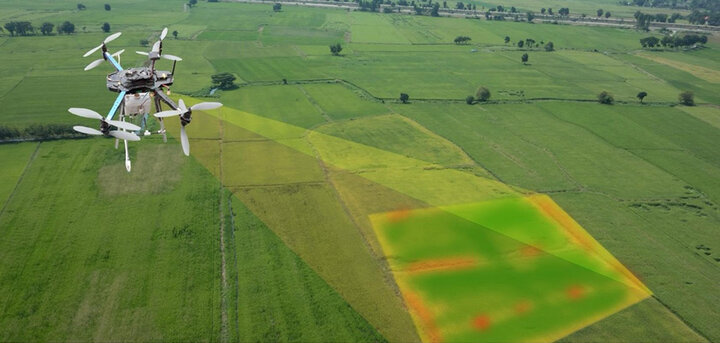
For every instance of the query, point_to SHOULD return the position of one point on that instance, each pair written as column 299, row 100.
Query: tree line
column 675, row 41
column 39, row 131
column 25, row 28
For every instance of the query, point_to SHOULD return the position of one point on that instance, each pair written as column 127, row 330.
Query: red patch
column 481, row 322
column 575, row 292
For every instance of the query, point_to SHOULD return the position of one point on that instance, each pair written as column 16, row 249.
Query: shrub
column 687, row 98
column 606, row 98
column 483, row 94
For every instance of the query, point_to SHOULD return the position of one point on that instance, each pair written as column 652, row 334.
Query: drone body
column 141, row 81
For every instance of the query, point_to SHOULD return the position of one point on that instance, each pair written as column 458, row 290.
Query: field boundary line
column 370, row 96
column 688, row 324
column 22, row 175
column 223, row 269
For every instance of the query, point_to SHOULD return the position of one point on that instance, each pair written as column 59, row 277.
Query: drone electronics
column 138, row 81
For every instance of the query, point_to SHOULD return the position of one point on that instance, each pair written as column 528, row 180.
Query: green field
column 264, row 234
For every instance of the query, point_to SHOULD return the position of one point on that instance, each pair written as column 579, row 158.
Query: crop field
column 318, row 207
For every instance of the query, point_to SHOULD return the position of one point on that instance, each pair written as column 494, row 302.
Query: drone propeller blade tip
column 85, row 113
column 184, row 141
column 93, row 64
column 128, row 136
column 87, row 130
column 91, row 51
column 112, row 37
column 124, row 125
column 164, row 33
column 204, row 106
column 171, row 58
column 165, row 114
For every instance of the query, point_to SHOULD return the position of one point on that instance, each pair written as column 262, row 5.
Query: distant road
column 445, row 12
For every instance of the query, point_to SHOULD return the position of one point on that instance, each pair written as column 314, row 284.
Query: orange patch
column 575, row 292
column 456, row 263
column 426, row 317
column 398, row 215
column 481, row 322
column 523, row 307
column 530, row 251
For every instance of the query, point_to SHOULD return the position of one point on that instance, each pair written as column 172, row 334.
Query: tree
column 404, row 98
column 687, row 98
column 335, row 49
column 520, row 43
column 144, row 42
column 223, row 80
column 106, row 27
column 600, row 12
column 10, row 26
column 469, row 100
column 507, row 39
column 530, row 16
column 46, row 28
column 550, row 12
column 66, row 27
column 435, row 8
column 542, row 10
column 482, row 94
column 19, row 28
column 24, row 28
column 107, row 7
column 175, row 33
column 641, row 96
column 607, row 14
column 277, row 7
column 605, row 98
column 649, row 42
column 80, row 7
column 462, row 40
column 524, row 58
column 460, row 5
column 192, row 2
column 549, row 46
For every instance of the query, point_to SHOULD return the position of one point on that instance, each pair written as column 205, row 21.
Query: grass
column 80, row 264
column 279, row 288
column 16, row 158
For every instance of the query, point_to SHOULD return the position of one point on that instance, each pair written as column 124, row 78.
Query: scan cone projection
column 475, row 260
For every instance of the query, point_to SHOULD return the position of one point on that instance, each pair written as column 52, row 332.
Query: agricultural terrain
column 269, row 231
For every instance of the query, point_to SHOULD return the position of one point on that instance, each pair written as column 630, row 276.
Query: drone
column 141, row 83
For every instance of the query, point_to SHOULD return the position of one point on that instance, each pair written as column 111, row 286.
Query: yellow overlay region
column 475, row 260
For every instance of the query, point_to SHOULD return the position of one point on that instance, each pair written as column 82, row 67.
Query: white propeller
column 117, row 54
column 94, row 64
column 184, row 141
column 124, row 125
column 171, row 57
column 142, row 53
column 128, row 136
column 165, row 114
column 205, row 106
column 85, row 113
column 156, row 47
column 164, row 33
column 112, row 37
column 109, row 39
column 86, row 130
